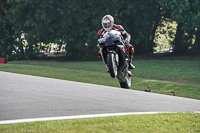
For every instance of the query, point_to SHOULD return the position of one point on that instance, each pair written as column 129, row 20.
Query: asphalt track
column 25, row 96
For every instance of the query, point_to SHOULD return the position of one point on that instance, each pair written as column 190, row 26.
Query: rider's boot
column 129, row 74
column 131, row 66
column 130, row 49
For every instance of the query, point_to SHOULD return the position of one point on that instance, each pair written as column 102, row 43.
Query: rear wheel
column 127, row 83
column 112, row 65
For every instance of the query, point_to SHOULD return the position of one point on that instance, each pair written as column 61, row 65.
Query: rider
column 108, row 24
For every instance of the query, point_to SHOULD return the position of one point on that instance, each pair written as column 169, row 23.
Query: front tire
column 112, row 65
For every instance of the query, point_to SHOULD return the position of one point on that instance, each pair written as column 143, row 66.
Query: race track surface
column 24, row 96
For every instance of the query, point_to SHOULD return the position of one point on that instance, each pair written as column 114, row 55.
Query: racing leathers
column 127, row 39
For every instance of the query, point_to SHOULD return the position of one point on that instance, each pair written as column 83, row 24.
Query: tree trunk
column 151, row 38
column 197, row 40
column 21, row 49
column 178, row 41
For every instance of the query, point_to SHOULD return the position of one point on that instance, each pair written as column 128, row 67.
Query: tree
column 76, row 23
column 52, row 21
column 140, row 19
column 37, row 19
column 6, row 34
column 187, row 15
column 197, row 40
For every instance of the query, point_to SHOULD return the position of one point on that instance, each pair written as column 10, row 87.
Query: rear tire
column 112, row 65
column 127, row 83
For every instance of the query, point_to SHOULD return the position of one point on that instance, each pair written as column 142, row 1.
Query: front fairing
column 111, row 38
column 112, row 42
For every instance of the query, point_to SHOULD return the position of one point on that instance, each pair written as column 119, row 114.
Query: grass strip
column 165, row 123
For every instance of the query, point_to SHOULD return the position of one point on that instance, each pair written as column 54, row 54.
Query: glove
column 99, row 41
column 98, row 45
column 126, row 41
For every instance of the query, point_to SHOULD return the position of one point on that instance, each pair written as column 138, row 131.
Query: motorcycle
column 115, row 57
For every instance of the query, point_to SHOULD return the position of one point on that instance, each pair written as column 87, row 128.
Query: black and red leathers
column 125, row 35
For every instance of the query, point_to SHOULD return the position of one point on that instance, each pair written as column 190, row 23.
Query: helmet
column 107, row 22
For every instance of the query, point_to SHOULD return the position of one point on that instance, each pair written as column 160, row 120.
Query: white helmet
column 107, row 22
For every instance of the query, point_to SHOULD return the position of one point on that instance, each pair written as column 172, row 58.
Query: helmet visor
column 107, row 25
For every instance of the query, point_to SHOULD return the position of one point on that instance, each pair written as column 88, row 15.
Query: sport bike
column 115, row 57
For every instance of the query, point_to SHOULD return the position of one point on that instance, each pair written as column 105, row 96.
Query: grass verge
column 165, row 123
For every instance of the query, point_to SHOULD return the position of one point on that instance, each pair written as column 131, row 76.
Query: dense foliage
column 187, row 14
column 76, row 23
column 6, row 32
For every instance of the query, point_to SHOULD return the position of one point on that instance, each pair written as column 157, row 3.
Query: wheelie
column 116, row 51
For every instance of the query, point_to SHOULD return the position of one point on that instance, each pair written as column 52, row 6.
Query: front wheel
column 112, row 65
column 127, row 83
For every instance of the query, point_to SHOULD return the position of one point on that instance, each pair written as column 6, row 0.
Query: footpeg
column 129, row 74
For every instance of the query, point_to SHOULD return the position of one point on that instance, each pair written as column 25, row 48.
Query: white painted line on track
column 74, row 117
column 77, row 117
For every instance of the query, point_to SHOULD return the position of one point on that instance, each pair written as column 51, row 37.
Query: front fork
column 120, row 54
column 104, row 56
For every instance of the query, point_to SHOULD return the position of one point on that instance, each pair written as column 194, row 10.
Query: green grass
column 157, row 123
column 163, row 76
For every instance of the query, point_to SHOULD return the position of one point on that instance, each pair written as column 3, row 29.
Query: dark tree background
column 76, row 23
